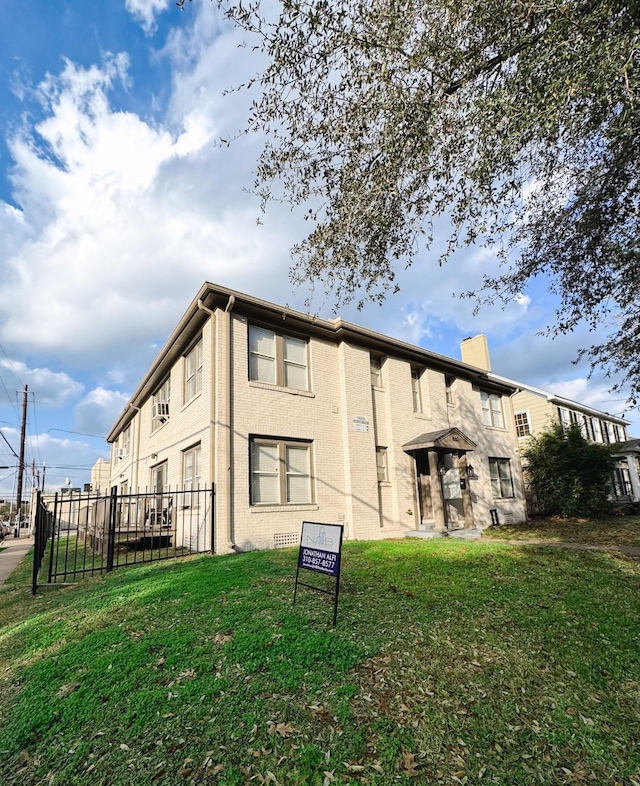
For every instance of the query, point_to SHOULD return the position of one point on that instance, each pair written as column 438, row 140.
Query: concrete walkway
column 14, row 551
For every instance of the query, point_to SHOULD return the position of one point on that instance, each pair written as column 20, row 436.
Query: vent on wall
column 508, row 518
column 283, row 539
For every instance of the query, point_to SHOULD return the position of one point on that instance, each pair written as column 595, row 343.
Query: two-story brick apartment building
column 297, row 418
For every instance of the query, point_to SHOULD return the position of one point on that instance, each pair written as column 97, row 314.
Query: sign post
column 320, row 552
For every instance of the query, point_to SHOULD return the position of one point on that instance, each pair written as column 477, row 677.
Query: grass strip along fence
column 452, row 662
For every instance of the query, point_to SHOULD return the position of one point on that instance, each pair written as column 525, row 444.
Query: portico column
column 466, row 492
column 436, row 493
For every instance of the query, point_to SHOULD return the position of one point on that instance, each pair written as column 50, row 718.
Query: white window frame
column 492, row 414
column 162, row 396
column 193, row 372
column 501, row 478
column 191, row 474
column 282, row 471
column 163, row 469
column 416, row 391
column 448, row 389
column 376, row 371
column 597, row 430
column 281, row 361
column 522, row 425
column 126, row 440
column 381, row 465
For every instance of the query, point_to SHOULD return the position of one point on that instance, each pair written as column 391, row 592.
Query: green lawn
column 452, row 662
column 614, row 531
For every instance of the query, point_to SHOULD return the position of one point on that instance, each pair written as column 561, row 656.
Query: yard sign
column 320, row 550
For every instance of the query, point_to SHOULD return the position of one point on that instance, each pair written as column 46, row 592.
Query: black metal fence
column 79, row 534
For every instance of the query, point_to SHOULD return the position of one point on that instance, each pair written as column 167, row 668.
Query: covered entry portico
column 442, row 479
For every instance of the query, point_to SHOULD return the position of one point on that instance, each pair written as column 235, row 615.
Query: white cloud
column 98, row 410
column 126, row 220
column 49, row 388
column 145, row 12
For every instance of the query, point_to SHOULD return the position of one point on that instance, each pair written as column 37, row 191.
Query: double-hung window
column 501, row 479
column 126, row 440
column 161, row 400
column 280, row 472
column 278, row 359
column 193, row 372
column 191, row 474
column 376, row 371
column 492, row 410
column 415, row 390
column 381, row 465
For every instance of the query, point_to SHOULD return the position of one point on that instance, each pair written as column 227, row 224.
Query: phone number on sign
column 325, row 562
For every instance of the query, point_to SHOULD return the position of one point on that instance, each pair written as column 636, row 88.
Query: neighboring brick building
column 297, row 418
column 535, row 409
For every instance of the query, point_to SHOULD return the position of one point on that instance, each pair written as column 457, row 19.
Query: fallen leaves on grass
column 281, row 729
column 408, row 763
column 66, row 690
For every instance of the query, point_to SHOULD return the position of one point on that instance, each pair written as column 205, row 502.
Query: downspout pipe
column 137, row 456
column 231, row 545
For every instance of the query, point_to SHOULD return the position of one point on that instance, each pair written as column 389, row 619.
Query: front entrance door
column 424, row 487
column 452, row 493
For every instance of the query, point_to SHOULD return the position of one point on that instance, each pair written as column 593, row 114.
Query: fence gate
column 87, row 533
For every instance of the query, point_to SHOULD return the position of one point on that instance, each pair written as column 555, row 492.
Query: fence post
column 53, row 538
column 111, row 535
column 37, row 550
column 213, row 518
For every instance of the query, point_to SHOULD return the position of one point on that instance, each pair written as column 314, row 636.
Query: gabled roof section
column 446, row 439
column 212, row 297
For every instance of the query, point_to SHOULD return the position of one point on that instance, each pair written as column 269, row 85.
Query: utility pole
column 23, row 431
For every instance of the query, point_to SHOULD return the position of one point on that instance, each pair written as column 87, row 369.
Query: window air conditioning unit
column 161, row 411
column 119, row 453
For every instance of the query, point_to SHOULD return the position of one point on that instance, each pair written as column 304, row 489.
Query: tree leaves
column 518, row 121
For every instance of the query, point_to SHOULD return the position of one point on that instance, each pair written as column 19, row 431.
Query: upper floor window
column 126, row 440
column 491, row 409
column 501, row 480
column 448, row 388
column 415, row 389
column 564, row 417
column 161, row 399
column 193, row 372
column 606, row 430
column 381, row 464
column 280, row 472
column 376, row 372
column 523, row 429
column 597, row 430
column 277, row 359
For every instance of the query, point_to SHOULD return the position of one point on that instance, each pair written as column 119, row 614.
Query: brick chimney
column 475, row 352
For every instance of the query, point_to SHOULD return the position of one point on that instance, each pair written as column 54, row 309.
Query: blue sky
column 117, row 203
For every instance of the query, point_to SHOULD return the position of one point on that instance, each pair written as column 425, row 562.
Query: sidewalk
column 14, row 551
